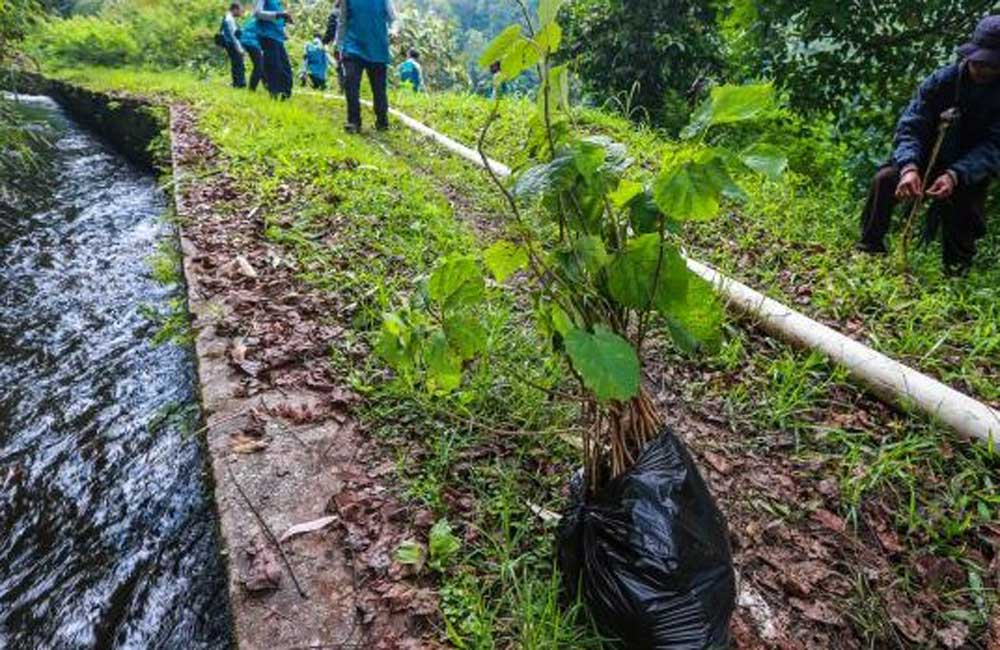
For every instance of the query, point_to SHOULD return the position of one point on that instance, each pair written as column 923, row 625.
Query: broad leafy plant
column 598, row 251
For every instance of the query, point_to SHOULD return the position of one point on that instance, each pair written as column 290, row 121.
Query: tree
column 830, row 54
column 664, row 45
column 437, row 40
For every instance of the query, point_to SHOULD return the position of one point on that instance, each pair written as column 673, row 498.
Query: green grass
column 363, row 217
column 360, row 223
column 793, row 240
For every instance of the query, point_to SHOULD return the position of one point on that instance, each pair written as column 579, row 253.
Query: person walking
column 251, row 45
column 330, row 38
column 316, row 62
column 363, row 43
column 271, row 19
column 230, row 40
column 968, row 159
column 410, row 71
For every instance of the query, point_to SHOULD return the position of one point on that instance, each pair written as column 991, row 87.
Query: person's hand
column 943, row 187
column 910, row 186
column 287, row 17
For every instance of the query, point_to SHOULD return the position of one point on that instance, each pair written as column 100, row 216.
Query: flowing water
column 107, row 535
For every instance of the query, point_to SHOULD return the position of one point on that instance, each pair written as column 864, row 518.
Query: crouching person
column 316, row 62
column 967, row 95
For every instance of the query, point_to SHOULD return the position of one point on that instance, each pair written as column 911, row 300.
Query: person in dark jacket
column 231, row 41
column 969, row 157
column 363, row 43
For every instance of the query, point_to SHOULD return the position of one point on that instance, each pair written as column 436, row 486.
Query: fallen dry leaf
column 307, row 527
column 953, row 636
column 829, row 520
column 244, row 444
column 245, row 267
column 263, row 572
column 718, row 463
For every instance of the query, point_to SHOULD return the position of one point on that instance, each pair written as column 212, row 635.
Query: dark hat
column 985, row 45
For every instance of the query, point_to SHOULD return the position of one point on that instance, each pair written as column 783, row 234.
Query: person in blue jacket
column 230, row 40
column 251, row 44
column 969, row 158
column 316, row 62
column 410, row 72
column 271, row 18
column 363, row 43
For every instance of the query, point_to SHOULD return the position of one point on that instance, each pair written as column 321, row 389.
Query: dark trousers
column 962, row 217
column 257, row 59
column 278, row 77
column 237, row 67
column 319, row 83
column 353, row 69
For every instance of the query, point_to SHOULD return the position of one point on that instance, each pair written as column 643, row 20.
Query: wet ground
column 107, row 533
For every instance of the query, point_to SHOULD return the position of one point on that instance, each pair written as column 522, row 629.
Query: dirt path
column 309, row 519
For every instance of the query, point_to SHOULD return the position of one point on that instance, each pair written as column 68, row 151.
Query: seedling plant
column 598, row 253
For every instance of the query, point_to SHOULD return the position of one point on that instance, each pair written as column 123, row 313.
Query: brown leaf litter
column 286, row 455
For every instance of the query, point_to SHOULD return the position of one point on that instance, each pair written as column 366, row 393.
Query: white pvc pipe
column 887, row 378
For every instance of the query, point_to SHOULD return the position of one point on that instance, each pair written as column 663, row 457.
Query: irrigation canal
column 107, row 531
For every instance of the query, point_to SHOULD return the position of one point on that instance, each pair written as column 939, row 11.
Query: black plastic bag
column 651, row 554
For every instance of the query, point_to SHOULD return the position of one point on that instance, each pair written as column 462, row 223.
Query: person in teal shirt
column 316, row 62
column 363, row 43
column 271, row 18
column 250, row 43
column 410, row 71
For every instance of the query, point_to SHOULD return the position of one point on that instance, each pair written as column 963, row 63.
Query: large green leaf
column 692, row 189
column 633, row 280
column 607, row 363
column 729, row 104
column 548, row 178
column 548, row 38
column 444, row 365
column 503, row 259
column 558, row 91
column 695, row 322
column 765, row 159
column 466, row 335
column 395, row 342
column 521, row 55
column 590, row 251
column 626, row 191
column 547, row 11
column 500, row 46
column 456, row 281
column 741, row 103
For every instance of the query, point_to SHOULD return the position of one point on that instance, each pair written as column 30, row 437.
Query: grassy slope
column 362, row 224
column 942, row 492
column 363, row 216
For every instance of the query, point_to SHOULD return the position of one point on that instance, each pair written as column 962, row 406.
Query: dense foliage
column 663, row 46
column 152, row 33
column 476, row 22
column 437, row 40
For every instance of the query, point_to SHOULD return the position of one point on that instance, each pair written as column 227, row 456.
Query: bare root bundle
column 617, row 437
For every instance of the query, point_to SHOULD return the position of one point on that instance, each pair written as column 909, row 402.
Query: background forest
column 846, row 68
